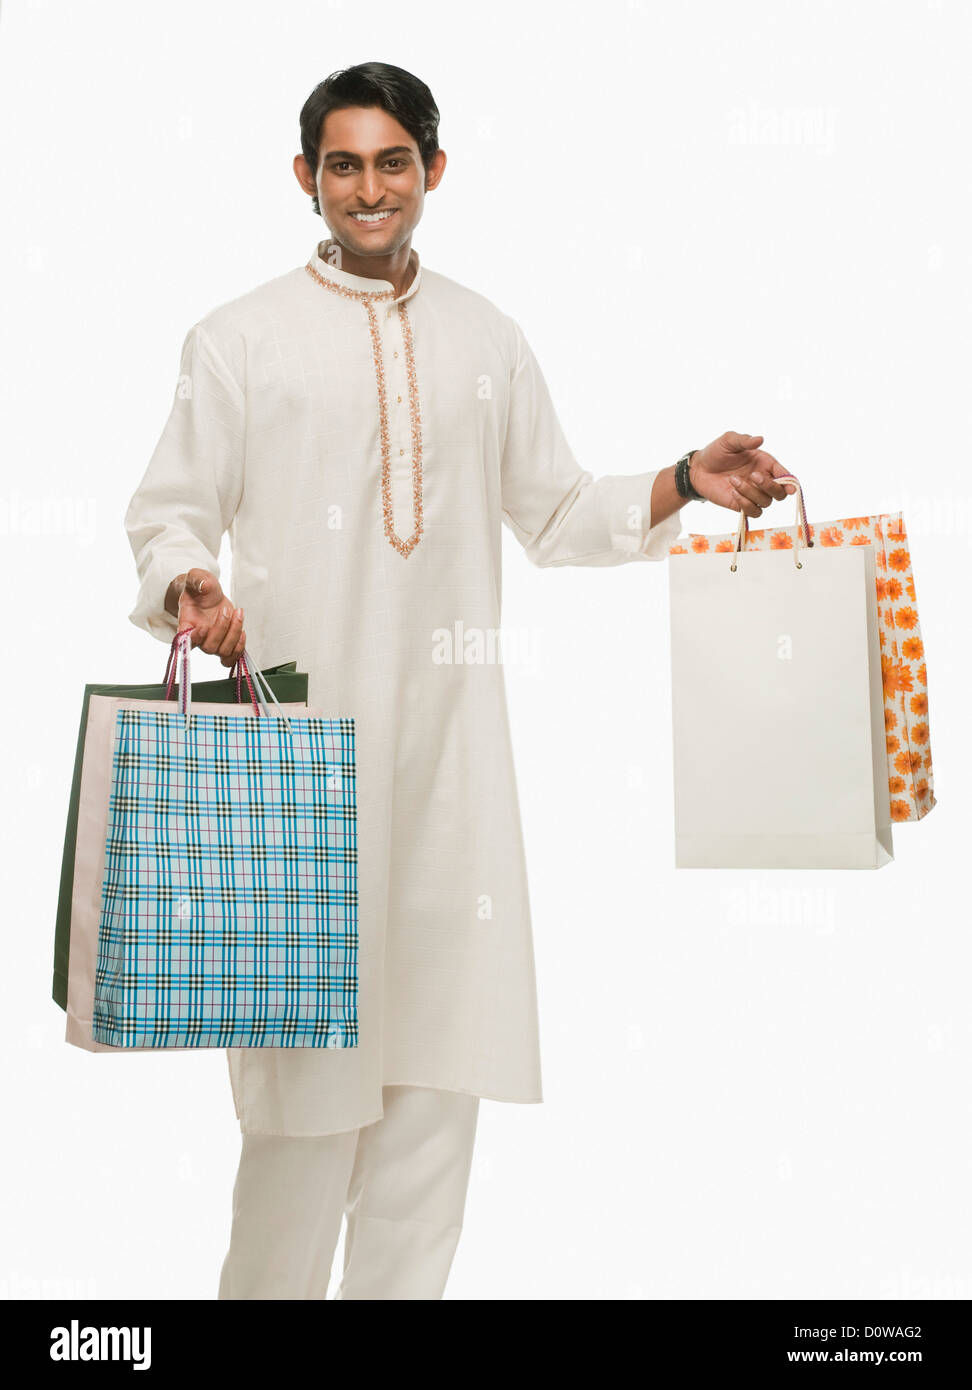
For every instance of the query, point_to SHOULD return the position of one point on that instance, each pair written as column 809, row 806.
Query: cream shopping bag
column 903, row 665
column 778, row 708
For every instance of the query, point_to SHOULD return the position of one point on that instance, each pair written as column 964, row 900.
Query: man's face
column 369, row 163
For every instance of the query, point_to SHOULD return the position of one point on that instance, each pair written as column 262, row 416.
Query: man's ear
column 435, row 170
column 305, row 177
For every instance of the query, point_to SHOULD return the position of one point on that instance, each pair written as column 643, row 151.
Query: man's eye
column 346, row 164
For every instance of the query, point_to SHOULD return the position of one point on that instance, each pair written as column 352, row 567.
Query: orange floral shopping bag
column 903, row 667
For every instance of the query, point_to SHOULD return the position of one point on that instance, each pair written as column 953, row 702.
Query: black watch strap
column 683, row 484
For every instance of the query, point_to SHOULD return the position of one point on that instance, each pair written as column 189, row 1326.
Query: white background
column 746, row 216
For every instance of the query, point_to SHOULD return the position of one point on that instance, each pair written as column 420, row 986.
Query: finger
column 777, row 470
column 738, row 442
column 196, row 634
column 769, row 469
column 216, row 630
column 240, row 647
column 745, row 505
column 747, row 488
column 776, row 490
column 751, row 509
column 760, row 489
column 231, row 639
column 202, row 588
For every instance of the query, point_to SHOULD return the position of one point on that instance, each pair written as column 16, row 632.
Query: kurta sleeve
column 190, row 491
column 561, row 514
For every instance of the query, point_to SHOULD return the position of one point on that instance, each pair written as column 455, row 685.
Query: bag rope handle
column 240, row 669
column 261, row 679
column 801, row 523
column 179, row 655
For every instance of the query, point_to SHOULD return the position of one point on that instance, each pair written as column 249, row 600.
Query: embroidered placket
column 371, row 298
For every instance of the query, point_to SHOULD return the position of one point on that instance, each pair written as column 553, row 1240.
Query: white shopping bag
column 777, row 708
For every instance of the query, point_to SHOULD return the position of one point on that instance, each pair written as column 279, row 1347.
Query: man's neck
column 396, row 267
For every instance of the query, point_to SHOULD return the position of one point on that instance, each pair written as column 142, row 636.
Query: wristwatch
column 683, row 483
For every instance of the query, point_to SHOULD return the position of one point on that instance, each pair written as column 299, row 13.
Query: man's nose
column 371, row 188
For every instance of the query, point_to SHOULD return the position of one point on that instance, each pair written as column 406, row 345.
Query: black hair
column 396, row 91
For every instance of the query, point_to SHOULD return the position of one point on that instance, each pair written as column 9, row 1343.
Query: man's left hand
column 733, row 471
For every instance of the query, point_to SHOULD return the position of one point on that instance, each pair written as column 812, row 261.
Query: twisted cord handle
column 802, row 523
column 179, row 657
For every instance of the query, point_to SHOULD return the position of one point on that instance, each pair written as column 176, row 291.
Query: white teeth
column 372, row 216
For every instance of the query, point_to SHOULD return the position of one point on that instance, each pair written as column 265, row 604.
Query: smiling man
column 363, row 427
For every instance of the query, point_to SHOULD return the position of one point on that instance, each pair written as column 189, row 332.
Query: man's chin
column 348, row 238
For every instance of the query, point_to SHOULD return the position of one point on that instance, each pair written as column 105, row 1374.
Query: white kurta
column 363, row 451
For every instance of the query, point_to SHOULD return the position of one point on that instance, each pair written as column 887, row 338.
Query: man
column 363, row 426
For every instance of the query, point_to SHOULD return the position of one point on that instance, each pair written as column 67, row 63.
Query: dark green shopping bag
column 286, row 682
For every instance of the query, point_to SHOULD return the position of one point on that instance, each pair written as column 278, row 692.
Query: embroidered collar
column 370, row 293
column 360, row 284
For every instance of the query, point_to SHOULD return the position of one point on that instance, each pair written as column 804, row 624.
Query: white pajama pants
column 401, row 1182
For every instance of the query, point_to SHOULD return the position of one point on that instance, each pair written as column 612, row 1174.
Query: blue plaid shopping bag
column 229, row 900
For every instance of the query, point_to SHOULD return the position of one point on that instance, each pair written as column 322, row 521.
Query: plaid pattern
column 229, row 901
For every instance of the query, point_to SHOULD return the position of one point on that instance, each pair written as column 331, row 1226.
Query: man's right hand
column 202, row 605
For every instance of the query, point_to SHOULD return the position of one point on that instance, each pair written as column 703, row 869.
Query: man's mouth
column 373, row 219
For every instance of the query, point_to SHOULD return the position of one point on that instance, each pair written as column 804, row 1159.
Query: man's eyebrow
column 379, row 154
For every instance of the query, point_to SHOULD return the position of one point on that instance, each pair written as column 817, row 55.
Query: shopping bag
column 903, row 667
column 777, row 707
column 287, row 684
column 89, row 854
column 215, row 888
